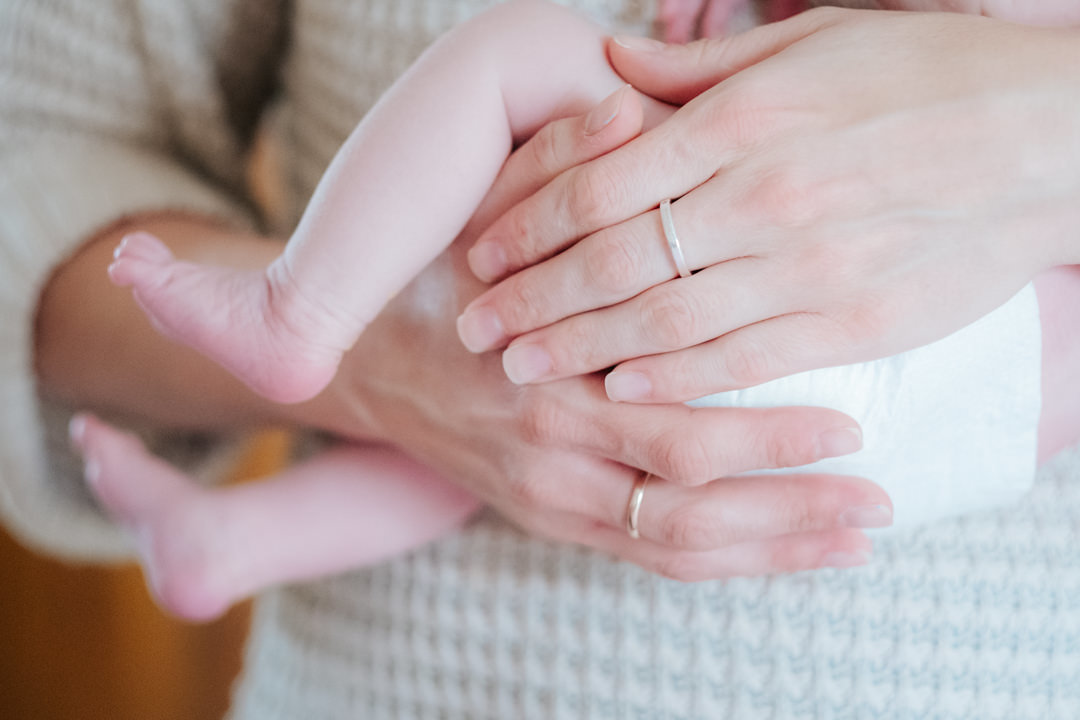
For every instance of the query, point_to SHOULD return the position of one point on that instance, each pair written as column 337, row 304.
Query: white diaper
column 948, row 429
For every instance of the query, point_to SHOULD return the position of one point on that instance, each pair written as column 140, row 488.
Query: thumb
column 678, row 73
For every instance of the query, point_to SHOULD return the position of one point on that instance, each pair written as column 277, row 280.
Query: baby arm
column 400, row 189
column 204, row 549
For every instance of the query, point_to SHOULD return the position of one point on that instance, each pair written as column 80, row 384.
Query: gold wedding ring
column 634, row 506
column 673, row 239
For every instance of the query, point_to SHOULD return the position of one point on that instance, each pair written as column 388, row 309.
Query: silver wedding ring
column 673, row 239
column 634, row 506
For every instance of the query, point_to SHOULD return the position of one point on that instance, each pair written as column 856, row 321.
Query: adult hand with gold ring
column 851, row 184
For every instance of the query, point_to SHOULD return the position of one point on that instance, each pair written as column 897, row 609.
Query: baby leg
column 398, row 192
column 204, row 549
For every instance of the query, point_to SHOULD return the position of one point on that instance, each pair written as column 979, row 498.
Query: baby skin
column 284, row 330
column 203, row 549
column 401, row 188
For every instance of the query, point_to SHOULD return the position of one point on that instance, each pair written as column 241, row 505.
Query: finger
column 735, row 510
column 749, row 356
column 667, row 161
column 605, row 268
column 788, row 554
column 672, row 316
column 688, row 446
column 678, row 19
column 678, row 73
column 622, row 261
column 785, row 554
column 560, row 145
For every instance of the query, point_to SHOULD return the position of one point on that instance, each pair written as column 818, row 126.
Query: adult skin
column 559, row 459
column 853, row 184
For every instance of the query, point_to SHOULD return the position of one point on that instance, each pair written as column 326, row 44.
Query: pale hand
column 561, row 459
column 852, row 184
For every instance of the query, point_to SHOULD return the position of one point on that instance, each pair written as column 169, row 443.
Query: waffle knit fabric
column 115, row 107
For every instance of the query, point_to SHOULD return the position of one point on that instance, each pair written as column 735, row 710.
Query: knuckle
column 541, row 419
column 746, row 364
column 684, row 375
column 683, row 458
column 669, row 318
column 786, row 448
column 612, row 264
column 522, row 245
column 798, row 514
column 591, row 196
column 690, row 528
column 522, row 304
column 783, row 198
column 530, row 491
column 544, row 151
column 573, row 346
column 871, row 320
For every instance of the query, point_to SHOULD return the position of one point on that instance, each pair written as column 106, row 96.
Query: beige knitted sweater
column 110, row 107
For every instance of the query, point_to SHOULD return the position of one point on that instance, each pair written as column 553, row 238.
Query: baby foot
column 183, row 544
column 256, row 327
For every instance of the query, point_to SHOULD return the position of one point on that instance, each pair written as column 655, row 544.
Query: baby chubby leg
column 401, row 188
column 204, row 549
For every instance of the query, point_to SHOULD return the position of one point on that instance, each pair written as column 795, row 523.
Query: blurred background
column 88, row 643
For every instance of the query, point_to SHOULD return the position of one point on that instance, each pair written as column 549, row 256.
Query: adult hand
column 853, row 184
column 560, row 459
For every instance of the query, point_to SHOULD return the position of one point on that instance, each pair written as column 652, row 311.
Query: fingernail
column 640, row 44
column 480, row 329
column 627, row 386
column 842, row 441
column 488, row 260
column 867, row 516
column 602, row 115
column 844, row 559
column 526, row 363
column 77, row 429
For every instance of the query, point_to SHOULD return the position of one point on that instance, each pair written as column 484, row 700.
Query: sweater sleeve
column 107, row 109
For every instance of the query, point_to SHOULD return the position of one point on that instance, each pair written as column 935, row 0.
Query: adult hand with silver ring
column 560, row 460
column 851, row 185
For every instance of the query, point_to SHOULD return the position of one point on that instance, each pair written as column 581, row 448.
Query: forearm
column 94, row 349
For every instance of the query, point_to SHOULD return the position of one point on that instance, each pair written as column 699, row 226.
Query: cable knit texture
column 120, row 106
